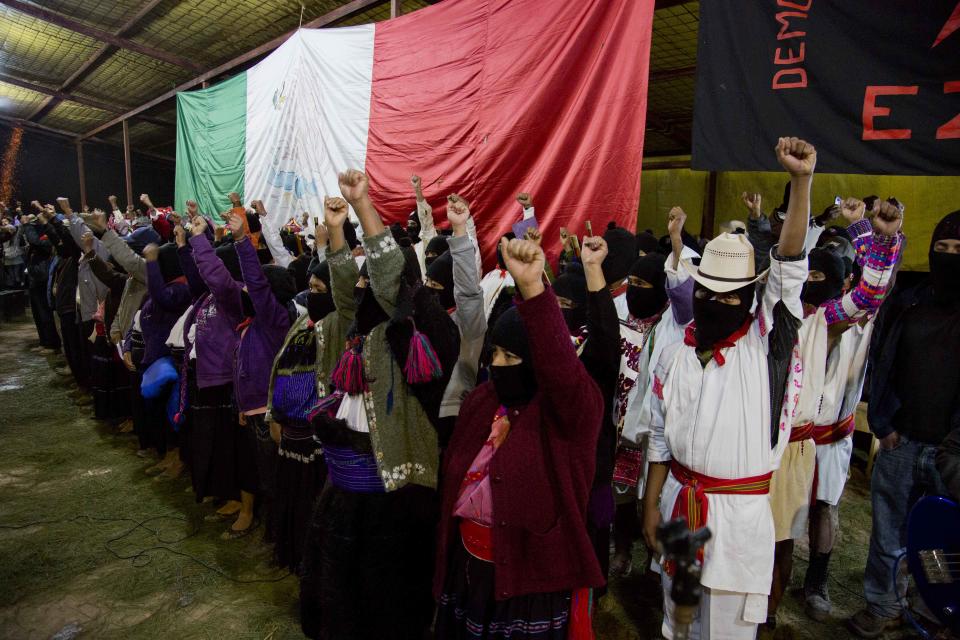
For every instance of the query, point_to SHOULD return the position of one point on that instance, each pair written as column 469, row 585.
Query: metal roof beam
column 342, row 13
column 60, row 96
column 670, row 74
column 97, row 34
column 44, row 129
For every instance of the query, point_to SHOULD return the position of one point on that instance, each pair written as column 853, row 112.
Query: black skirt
column 110, row 383
column 368, row 565
column 467, row 609
column 213, row 442
column 300, row 475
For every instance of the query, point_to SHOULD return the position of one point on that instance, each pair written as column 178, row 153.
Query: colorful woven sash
column 828, row 434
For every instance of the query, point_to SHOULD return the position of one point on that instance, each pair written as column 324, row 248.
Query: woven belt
column 352, row 471
column 828, row 434
column 801, row 432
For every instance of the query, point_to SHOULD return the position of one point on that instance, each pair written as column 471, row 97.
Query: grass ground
column 87, row 539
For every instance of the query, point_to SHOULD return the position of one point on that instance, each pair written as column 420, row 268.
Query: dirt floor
column 91, row 547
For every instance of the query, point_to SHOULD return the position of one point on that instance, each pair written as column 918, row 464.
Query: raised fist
column 198, row 226
column 145, row 199
column 675, row 221
column 524, row 260
column 64, row 204
column 852, row 210
column 113, row 201
column 593, row 251
column 258, row 207
column 234, row 199
column 86, row 240
column 192, row 210
column 889, row 219
column 150, row 252
column 797, row 156
column 335, row 211
column 525, row 200
column 458, row 211
column 353, row 185
column 416, row 181
column 236, row 227
column 180, row 235
column 97, row 221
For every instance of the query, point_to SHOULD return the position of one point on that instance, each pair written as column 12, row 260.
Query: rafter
column 60, row 96
column 53, row 131
column 342, row 13
column 97, row 34
column 670, row 74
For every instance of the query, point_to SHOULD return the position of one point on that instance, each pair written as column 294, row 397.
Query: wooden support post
column 83, row 178
column 394, row 8
column 126, row 161
column 710, row 207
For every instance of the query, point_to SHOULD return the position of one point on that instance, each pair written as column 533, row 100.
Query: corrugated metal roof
column 39, row 58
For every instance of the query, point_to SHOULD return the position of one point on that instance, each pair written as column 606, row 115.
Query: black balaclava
column 281, row 282
column 642, row 302
column 320, row 304
column 169, row 262
column 369, row 312
column 228, row 255
column 413, row 227
column 400, row 235
column 253, row 223
column 622, row 253
column 510, row 235
column 945, row 267
column 831, row 265
column 647, row 243
column 441, row 272
column 437, row 246
column 834, row 240
column 516, row 384
column 716, row 320
column 572, row 285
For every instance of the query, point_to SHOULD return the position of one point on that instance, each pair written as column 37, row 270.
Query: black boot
column 815, row 591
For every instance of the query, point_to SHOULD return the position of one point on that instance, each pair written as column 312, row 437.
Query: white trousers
column 723, row 615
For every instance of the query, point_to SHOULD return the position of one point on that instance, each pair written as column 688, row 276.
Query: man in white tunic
column 720, row 414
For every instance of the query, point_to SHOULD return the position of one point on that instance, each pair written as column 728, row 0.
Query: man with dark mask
column 917, row 336
column 651, row 283
column 571, row 290
column 437, row 246
column 319, row 299
column 440, row 279
column 832, row 341
column 717, row 405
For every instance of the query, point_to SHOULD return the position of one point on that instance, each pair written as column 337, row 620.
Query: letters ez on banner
column 485, row 98
column 875, row 84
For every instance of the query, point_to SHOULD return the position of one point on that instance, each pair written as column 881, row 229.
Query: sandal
column 231, row 534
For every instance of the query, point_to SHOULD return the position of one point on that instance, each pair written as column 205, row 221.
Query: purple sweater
column 217, row 318
column 262, row 338
column 165, row 303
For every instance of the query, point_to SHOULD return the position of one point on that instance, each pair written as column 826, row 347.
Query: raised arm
column 343, row 268
column 271, row 236
column 223, row 287
column 561, row 376
column 188, row 265
column 428, row 230
column 601, row 353
column 167, row 298
column 471, row 319
column 268, row 309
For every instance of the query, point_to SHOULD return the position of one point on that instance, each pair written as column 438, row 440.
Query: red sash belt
column 802, row 432
column 477, row 539
column 692, row 500
column 828, row 434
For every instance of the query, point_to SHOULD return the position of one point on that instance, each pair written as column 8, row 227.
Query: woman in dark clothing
column 110, row 383
column 514, row 559
column 168, row 297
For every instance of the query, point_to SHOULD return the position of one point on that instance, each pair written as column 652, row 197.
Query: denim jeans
column 901, row 477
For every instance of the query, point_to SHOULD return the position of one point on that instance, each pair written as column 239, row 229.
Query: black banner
column 874, row 84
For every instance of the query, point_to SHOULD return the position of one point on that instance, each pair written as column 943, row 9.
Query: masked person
column 917, row 332
column 719, row 414
column 659, row 296
column 377, row 514
column 292, row 394
column 832, row 340
column 512, row 550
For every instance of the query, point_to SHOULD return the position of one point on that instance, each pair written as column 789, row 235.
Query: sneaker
column 867, row 624
column 817, row 605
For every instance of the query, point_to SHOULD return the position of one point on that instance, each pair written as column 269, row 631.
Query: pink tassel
column 329, row 404
column 348, row 375
column 422, row 362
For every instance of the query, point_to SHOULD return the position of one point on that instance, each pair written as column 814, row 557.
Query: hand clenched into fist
column 797, row 156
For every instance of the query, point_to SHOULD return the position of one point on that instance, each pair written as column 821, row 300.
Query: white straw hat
column 727, row 264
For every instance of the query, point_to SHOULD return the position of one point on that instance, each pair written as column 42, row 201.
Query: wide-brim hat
column 727, row 264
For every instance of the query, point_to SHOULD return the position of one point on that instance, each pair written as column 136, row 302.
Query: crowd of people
column 430, row 447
